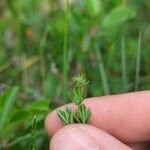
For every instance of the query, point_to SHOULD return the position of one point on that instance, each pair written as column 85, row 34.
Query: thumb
column 84, row 137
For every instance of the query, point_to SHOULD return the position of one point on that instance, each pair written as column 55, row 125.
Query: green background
column 107, row 40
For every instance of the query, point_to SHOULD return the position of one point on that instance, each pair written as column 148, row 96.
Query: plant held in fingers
column 77, row 94
column 83, row 114
column 66, row 116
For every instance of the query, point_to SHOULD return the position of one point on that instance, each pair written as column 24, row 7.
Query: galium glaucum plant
column 77, row 95
column 66, row 116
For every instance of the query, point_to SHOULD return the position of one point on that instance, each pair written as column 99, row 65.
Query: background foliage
column 108, row 41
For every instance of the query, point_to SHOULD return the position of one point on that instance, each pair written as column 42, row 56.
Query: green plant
column 82, row 114
column 66, row 116
column 138, row 61
column 14, row 117
column 40, row 47
column 65, row 51
column 33, row 134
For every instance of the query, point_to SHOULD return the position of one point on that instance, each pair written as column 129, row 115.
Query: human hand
column 119, row 122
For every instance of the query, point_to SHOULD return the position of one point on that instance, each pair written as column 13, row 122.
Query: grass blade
column 65, row 53
column 124, row 69
column 138, row 61
column 6, row 103
column 33, row 134
column 24, row 138
column 42, row 58
column 102, row 71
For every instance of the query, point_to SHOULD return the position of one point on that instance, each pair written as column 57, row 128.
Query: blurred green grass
column 43, row 44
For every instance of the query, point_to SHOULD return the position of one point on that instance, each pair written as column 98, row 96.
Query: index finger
column 125, row 116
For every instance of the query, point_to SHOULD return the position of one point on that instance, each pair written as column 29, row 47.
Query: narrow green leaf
column 7, row 101
column 82, row 114
column 33, row 134
column 124, row 69
column 102, row 71
column 138, row 61
column 23, row 138
column 66, row 116
column 65, row 52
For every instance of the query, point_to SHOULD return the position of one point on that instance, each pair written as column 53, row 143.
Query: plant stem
column 65, row 52
column 124, row 70
column 41, row 57
column 33, row 134
column 102, row 71
column 138, row 61
column 25, row 78
column 23, row 138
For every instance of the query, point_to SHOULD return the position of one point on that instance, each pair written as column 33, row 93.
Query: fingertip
column 73, row 137
column 77, row 136
column 52, row 123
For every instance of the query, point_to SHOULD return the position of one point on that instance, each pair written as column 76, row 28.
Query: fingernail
column 76, row 139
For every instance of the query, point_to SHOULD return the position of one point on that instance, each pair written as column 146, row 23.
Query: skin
column 117, row 122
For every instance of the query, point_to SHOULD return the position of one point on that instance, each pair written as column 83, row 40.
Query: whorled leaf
column 83, row 114
column 66, row 116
